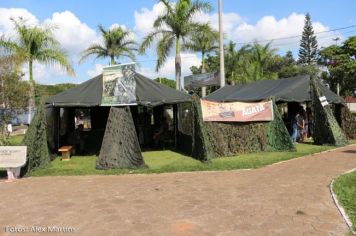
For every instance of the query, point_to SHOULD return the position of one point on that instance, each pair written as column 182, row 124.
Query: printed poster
column 119, row 85
column 237, row 111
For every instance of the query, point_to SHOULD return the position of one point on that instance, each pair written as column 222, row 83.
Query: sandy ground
column 289, row 198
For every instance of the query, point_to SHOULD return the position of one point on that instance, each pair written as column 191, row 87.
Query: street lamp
column 221, row 33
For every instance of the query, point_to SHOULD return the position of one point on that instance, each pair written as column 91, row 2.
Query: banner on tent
column 119, row 85
column 201, row 80
column 237, row 111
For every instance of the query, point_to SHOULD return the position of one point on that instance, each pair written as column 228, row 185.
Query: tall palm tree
column 35, row 44
column 116, row 44
column 171, row 28
column 204, row 40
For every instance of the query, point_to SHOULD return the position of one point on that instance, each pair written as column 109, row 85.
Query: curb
column 338, row 205
column 310, row 155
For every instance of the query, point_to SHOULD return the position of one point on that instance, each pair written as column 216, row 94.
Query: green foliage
column 38, row 156
column 345, row 190
column 341, row 63
column 168, row 82
column 326, row 128
column 255, row 62
column 202, row 148
column 205, row 39
column 168, row 161
column 117, row 44
column 277, row 136
column 308, row 51
column 45, row 91
column 13, row 91
column 35, row 44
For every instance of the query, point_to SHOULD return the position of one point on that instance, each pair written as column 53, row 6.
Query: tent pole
column 175, row 122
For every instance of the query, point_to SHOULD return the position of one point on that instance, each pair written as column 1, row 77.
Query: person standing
column 301, row 124
column 295, row 127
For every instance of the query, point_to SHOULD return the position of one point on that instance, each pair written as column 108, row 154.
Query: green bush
column 36, row 141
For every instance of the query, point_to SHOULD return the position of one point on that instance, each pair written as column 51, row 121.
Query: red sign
column 237, row 111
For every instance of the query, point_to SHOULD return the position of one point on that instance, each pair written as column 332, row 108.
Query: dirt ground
column 289, row 198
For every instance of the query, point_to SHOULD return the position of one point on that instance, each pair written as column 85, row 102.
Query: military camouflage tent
column 113, row 128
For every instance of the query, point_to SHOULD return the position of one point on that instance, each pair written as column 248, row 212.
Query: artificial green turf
column 169, row 161
column 345, row 189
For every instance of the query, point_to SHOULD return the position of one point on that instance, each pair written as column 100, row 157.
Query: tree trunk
column 120, row 147
column 31, row 101
column 178, row 65
column 112, row 61
column 203, row 89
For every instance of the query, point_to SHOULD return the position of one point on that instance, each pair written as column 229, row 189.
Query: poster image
column 119, row 85
column 237, row 111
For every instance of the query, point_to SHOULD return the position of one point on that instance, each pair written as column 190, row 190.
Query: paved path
column 290, row 198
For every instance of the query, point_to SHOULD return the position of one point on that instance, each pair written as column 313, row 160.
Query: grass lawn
column 345, row 189
column 169, row 161
column 16, row 140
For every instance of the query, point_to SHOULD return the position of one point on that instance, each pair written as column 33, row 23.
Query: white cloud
column 145, row 18
column 7, row 26
column 168, row 69
column 230, row 21
column 74, row 35
column 97, row 71
column 268, row 28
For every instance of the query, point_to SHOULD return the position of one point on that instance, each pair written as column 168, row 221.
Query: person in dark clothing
column 295, row 132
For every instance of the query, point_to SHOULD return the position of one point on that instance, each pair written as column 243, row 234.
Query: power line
column 278, row 44
column 297, row 36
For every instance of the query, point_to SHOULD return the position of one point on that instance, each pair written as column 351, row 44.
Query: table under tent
column 290, row 94
column 81, row 107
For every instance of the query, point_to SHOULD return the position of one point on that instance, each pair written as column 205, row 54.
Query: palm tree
column 35, row 44
column 262, row 56
column 175, row 25
column 204, row 40
column 117, row 43
column 253, row 63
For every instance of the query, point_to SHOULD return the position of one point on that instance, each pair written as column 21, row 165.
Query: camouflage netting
column 326, row 129
column 120, row 147
column 277, row 136
column 232, row 138
column 36, row 141
column 202, row 148
column 348, row 124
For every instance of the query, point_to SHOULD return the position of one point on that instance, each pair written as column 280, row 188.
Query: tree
column 204, row 40
column 117, row 43
column 171, row 28
column 341, row 63
column 13, row 91
column 308, row 51
column 35, row 44
column 168, row 82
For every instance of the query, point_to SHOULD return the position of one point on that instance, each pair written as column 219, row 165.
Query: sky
column 243, row 22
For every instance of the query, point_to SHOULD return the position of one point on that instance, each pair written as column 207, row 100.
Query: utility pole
column 221, row 33
column 336, row 39
column 338, row 80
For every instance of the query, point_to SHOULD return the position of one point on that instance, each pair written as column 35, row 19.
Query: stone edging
column 338, row 205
